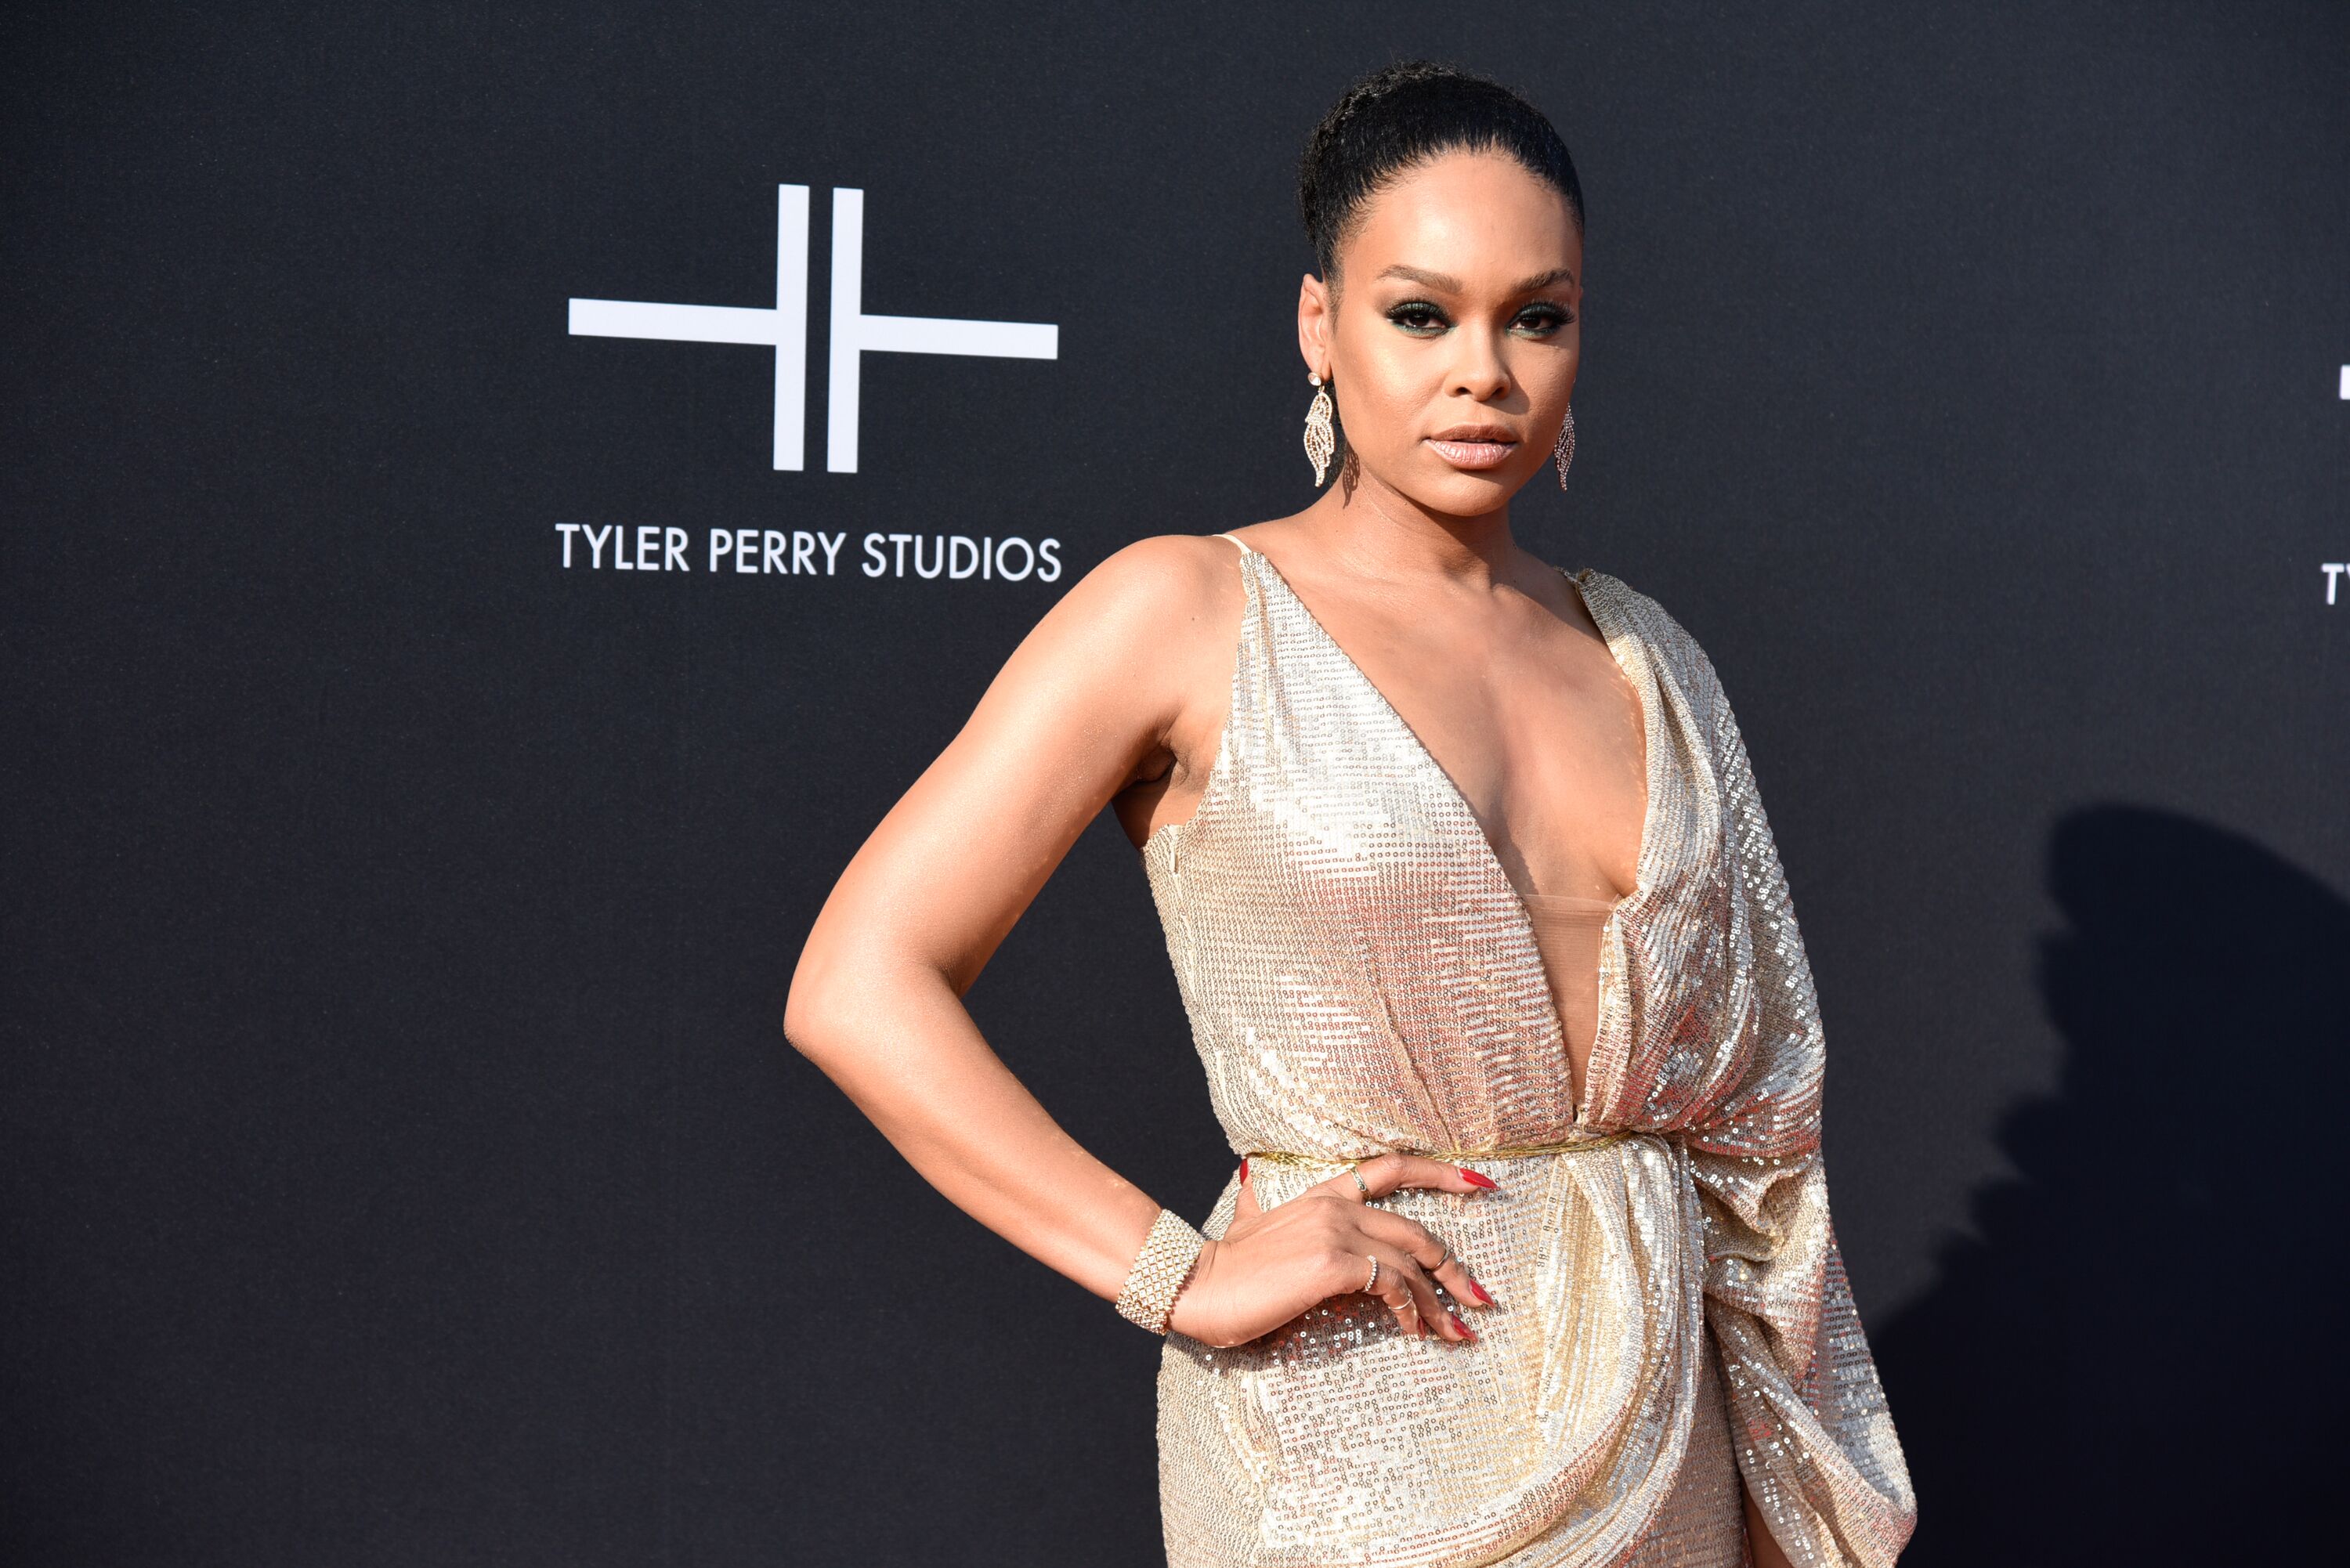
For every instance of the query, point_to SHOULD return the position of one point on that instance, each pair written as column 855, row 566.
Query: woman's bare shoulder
column 1158, row 588
column 1141, row 640
column 1170, row 563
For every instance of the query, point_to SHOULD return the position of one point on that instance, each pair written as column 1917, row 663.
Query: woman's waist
column 1586, row 1142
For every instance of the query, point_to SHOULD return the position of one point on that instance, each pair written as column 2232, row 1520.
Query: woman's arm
column 1823, row 1468
column 1122, row 681
column 1095, row 693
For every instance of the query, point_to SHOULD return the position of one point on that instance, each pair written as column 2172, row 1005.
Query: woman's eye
column 1414, row 316
column 1542, row 320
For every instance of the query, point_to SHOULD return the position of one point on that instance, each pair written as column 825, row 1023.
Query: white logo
column 854, row 333
column 2334, row 570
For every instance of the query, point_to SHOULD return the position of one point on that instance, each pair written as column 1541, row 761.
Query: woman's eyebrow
column 1450, row 285
column 1441, row 280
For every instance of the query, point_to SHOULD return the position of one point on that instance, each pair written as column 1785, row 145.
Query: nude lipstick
column 1474, row 446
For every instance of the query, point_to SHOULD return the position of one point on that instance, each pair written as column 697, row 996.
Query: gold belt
column 1451, row 1155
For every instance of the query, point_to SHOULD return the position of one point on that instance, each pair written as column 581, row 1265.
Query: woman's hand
column 1271, row 1265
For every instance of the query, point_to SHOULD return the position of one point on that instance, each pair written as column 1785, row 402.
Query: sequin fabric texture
column 1361, row 976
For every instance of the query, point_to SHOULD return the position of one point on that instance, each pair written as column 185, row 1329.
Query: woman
column 1484, row 943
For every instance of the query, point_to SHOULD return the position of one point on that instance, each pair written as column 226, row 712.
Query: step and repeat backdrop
column 499, row 499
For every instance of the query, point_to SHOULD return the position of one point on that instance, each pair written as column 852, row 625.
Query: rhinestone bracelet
column 1160, row 1271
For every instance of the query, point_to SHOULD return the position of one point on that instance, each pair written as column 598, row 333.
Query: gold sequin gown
column 1360, row 976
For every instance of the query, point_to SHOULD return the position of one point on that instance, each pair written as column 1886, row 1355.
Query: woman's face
column 1453, row 340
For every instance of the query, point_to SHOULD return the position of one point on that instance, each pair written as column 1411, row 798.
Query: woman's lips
column 1473, row 449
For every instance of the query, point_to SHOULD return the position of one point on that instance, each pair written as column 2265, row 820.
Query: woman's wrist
column 1182, row 1316
column 1161, row 1268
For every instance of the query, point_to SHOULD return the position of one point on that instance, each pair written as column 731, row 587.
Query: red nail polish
column 1480, row 1292
column 1463, row 1327
column 1475, row 1178
column 1244, row 1168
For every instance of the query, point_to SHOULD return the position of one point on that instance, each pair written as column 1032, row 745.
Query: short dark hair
column 1405, row 115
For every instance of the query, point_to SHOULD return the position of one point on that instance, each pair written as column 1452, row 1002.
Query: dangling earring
column 1321, row 441
column 1563, row 453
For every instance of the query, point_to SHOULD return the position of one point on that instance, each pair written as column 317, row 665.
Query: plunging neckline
column 1490, row 856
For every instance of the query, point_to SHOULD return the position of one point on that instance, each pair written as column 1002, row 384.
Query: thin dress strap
column 1235, row 739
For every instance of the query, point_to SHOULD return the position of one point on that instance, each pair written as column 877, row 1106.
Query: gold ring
column 1357, row 1172
column 1373, row 1283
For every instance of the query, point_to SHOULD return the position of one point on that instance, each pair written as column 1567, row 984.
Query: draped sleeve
column 1815, row 1443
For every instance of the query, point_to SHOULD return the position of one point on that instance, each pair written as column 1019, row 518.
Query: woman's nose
column 1481, row 372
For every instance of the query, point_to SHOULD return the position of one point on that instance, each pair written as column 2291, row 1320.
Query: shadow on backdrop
column 2135, row 1357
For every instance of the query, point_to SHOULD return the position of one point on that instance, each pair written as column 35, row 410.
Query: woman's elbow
column 815, row 1005
column 841, row 990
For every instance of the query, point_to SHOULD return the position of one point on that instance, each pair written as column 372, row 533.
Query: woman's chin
column 1463, row 492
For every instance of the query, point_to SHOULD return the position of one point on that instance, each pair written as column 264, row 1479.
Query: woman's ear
column 1314, row 326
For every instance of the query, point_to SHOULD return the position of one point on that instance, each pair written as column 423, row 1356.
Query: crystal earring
column 1563, row 453
column 1321, row 441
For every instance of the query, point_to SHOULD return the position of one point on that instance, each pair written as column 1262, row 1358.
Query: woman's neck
column 1383, row 535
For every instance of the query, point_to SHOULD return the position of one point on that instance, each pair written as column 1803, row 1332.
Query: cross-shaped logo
column 784, row 328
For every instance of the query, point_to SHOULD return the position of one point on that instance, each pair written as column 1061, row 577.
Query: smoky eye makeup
column 1542, row 318
column 1426, row 319
column 1421, row 318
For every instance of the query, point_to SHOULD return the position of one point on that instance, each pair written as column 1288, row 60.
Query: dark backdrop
column 402, row 1159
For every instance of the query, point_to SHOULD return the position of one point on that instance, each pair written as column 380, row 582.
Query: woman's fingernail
column 1244, row 1169
column 1480, row 1292
column 1475, row 1178
column 1466, row 1331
